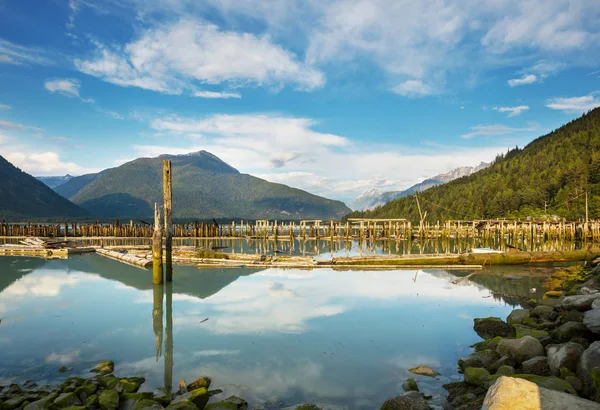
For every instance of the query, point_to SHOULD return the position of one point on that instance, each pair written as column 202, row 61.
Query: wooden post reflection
column 157, row 318
column 169, row 338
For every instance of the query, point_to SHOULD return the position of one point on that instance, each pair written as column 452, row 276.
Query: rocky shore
column 543, row 356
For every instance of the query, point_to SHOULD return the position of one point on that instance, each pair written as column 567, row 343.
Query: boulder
column 517, row 316
column 589, row 360
column 199, row 397
column 477, row 376
column 506, row 370
column 66, row 400
column 182, row 405
column 108, row 400
column 527, row 331
column 104, row 367
column 490, row 327
column 147, row 404
column 484, row 358
column 570, row 330
column 503, row 361
column 544, row 312
column 570, row 316
column 424, row 371
column 596, row 304
column 510, row 393
column 575, row 382
column 552, row 382
column 563, row 355
column 591, row 319
column 198, row 383
column 579, row 302
column 235, row 403
column 487, row 344
column 406, row 401
column 410, row 385
column 537, row 365
column 521, row 349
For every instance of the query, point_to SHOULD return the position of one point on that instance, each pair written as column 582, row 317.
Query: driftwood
column 124, row 257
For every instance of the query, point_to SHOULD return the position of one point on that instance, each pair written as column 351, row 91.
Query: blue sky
column 335, row 97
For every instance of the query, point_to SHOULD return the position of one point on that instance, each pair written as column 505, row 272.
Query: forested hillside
column 204, row 187
column 549, row 176
column 22, row 197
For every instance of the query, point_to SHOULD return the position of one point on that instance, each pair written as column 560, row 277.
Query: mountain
column 204, row 187
column 75, row 184
column 24, row 197
column 53, row 182
column 550, row 175
column 375, row 197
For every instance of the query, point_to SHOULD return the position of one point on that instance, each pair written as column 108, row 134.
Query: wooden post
column 169, row 338
column 168, row 196
column 157, row 318
column 157, row 271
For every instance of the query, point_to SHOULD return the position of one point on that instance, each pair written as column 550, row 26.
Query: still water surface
column 275, row 337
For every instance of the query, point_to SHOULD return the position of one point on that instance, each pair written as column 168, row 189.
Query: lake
column 274, row 337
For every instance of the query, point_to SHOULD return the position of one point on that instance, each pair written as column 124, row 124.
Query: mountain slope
column 552, row 173
column 23, row 196
column 53, row 182
column 75, row 184
column 373, row 198
column 204, row 187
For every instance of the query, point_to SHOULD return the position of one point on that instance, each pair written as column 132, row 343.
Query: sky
column 334, row 97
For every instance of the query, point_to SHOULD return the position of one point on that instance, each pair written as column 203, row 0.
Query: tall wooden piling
column 157, row 266
column 157, row 318
column 168, row 197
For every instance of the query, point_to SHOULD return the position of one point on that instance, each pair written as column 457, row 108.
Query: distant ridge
column 22, row 196
column 376, row 197
column 204, row 187
column 53, row 182
column 550, row 176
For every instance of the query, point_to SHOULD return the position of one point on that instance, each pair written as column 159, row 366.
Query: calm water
column 275, row 337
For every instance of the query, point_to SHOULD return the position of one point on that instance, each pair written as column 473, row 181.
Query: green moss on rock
column 108, row 400
column 552, row 383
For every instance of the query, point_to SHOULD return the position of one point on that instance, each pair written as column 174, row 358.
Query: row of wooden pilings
column 353, row 228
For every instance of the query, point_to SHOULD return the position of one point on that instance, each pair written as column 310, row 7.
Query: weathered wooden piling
column 157, row 265
column 157, row 318
column 168, row 197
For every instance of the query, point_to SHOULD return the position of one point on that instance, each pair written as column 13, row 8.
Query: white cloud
column 495, row 129
column 526, row 79
column 4, row 107
column 63, row 358
column 575, row 105
column 413, row 88
column 512, row 111
column 167, row 58
column 44, row 163
column 213, row 94
column 66, row 86
column 11, row 53
column 291, row 151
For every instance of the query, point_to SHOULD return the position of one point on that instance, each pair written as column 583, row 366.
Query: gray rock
column 537, row 365
column 591, row 319
column 410, row 385
column 511, row 393
column 589, row 360
column 579, row 302
column 503, row 361
column 516, row 316
column 490, row 327
column 406, row 401
column 544, row 312
column 566, row 354
column 521, row 349
column 506, row 370
column 571, row 330
column 484, row 358
column 575, row 382
column 596, row 304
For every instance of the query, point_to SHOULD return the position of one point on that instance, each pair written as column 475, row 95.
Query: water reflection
column 273, row 336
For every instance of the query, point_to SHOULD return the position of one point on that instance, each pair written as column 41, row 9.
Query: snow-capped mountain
column 376, row 197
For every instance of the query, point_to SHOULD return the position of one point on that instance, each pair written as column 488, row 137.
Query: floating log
column 124, row 257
